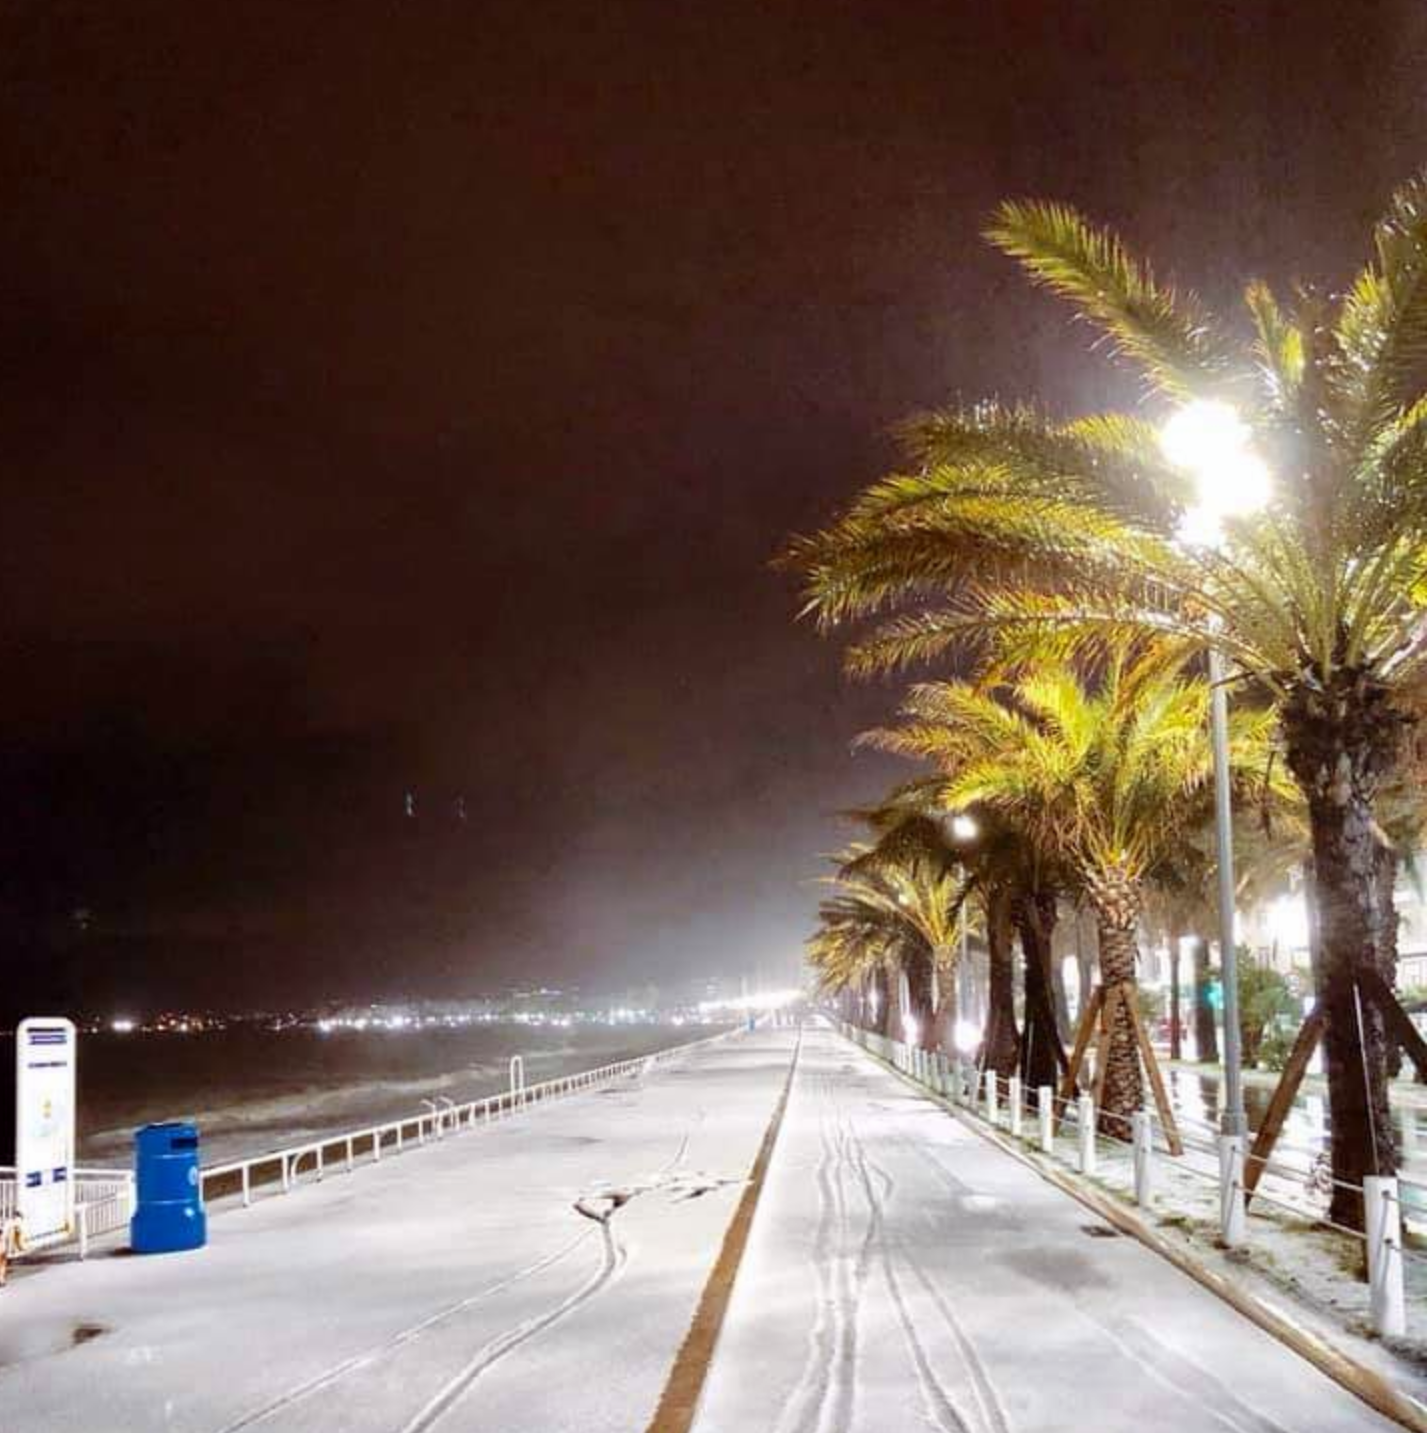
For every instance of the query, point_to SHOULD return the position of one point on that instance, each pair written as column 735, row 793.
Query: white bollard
column 1143, row 1136
column 1086, row 1116
column 1045, row 1113
column 990, row 1081
column 1233, row 1229
column 1383, row 1217
column 1013, row 1104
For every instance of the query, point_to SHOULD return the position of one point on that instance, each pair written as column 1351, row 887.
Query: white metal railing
column 288, row 1168
column 103, row 1202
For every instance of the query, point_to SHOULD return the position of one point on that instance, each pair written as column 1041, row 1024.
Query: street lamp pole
column 1234, row 1121
column 1210, row 440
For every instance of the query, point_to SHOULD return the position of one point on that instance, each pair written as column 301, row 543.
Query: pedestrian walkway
column 538, row 1275
column 904, row 1273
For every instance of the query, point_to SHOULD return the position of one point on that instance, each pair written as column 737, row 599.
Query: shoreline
column 281, row 1112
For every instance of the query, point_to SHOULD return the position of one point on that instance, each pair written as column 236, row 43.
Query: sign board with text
column 45, row 1051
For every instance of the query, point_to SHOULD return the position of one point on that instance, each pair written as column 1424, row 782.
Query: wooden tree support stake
column 1285, row 1092
column 1084, row 1032
column 1097, row 1020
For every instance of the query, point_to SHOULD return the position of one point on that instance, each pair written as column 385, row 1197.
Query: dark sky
column 407, row 397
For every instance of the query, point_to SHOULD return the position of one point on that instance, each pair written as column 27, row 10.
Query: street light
column 1210, row 440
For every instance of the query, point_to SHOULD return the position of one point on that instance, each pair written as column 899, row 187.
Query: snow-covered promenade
column 901, row 1273
column 453, row 1288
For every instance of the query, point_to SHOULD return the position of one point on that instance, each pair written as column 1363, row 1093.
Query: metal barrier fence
column 286, row 1168
column 104, row 1201
column 1210, row 1156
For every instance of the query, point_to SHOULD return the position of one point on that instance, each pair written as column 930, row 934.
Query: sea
column 251, row 1089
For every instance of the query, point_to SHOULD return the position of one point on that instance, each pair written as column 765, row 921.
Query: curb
column 684, row 1387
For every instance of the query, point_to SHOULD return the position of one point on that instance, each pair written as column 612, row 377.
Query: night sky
column 407, row 398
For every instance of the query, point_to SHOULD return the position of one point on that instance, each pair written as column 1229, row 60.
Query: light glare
column 1202, row 435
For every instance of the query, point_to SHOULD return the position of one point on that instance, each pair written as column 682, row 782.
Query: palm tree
column 1104, row 772
column 1014, row 884
column 909, row 876
column 853, row 949
column 1021, row 536
column 896, row 910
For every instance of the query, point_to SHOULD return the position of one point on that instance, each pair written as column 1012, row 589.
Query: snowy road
column 454, row 1288
column 902, row 1273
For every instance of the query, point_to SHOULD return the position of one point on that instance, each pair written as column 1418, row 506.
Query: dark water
column 251, row 1089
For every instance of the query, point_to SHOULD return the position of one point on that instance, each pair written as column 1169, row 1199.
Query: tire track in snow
column 992, row 1410
column 825, row 1398
column 408, row 1336
column 615, row 1257
column 455, row 1389
column 940, row 1407
column 1198, row 1387
column 800, row 1412
column 399, row 1340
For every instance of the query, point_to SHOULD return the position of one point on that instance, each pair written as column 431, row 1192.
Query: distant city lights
column 535, row 1007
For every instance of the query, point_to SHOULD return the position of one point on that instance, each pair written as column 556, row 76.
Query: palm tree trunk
column 881, row 1022
column 918, row 966
column 1340, row 742
column 1206, row 1037
column 1117, row 911
column 1385, row 875
column 999, row 1045
column 1041, row 1050
column 1175, row 935
column 947, row 1013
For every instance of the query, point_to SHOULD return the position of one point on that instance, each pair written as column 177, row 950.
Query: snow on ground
column 1288, row 1247
column 904, row 1273
column 455, row 1287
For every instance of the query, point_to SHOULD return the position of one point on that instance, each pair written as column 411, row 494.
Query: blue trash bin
column 168, row 1209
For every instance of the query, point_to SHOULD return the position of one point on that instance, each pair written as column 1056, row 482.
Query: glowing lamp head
column 1208, row 439
column 1203, row 434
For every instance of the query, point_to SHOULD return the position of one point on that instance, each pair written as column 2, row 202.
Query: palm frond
column 1382, row 328
column 1167, row 334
